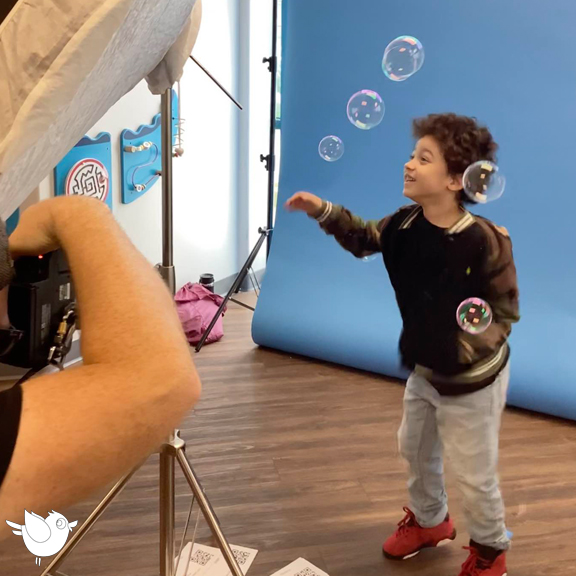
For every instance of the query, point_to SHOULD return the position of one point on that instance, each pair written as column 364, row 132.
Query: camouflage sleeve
column 6, row 263
column 355, row 235
column 500, row 279
column 499, row 290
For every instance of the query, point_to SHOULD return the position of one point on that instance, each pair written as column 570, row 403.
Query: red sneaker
column 410, row 537
column 476, row 565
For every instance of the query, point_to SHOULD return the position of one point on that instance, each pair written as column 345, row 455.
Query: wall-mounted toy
column 178, row 122
column 12, row 222
column 141, row 155
column 86, row 170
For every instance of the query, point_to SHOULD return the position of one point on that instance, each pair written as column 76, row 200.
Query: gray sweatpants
column 467, row 429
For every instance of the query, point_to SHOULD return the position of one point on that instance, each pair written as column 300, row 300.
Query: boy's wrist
column 323, row 212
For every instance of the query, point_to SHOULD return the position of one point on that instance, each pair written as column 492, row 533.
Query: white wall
column 205, row 183
column 220, row 185
column 205, row 208
column 256, row 43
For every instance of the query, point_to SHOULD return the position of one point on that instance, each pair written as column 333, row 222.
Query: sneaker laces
column 475, row 564
column 407, row 522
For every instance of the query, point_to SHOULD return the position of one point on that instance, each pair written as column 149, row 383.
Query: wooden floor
column 299, row 459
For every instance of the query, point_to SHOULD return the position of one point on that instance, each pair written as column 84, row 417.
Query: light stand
column 173, row 451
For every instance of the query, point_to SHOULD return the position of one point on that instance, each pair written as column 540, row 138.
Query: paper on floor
column 300, row 567
column 199, row 561
column 209, row 561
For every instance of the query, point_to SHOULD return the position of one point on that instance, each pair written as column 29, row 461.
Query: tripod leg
column 184, row 539
column 208, row 513
column 87, row 526
column 213, row 322
column 235, row 286
column 167, row 514
column 254, row 281
column 241, row 304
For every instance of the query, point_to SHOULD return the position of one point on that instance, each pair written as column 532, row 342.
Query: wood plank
column 300, row 458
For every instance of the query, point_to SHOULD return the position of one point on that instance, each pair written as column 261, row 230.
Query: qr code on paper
column 307, row 572
column 202, row 558
column 241, row 557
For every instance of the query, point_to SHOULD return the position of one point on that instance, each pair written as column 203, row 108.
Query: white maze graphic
column 88, row 177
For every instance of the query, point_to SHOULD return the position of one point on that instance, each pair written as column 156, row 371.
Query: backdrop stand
column 264, row 233
column 270, row 159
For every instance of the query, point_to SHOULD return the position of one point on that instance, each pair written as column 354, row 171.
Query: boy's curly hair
column 462, row 141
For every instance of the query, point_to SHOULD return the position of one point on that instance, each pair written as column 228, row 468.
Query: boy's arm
column 501, row 287
column 355, row 235
column 499, row 290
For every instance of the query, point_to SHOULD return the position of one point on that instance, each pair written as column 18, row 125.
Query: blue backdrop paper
column 98, row 149
column 511, row 64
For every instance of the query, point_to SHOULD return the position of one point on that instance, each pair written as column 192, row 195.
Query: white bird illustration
column 43, row 537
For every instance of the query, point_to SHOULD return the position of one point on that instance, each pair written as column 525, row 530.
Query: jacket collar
column 462, row 224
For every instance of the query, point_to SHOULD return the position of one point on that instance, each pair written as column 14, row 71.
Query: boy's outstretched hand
column 305, row 202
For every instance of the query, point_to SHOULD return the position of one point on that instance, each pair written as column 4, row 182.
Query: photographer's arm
column 83, row 428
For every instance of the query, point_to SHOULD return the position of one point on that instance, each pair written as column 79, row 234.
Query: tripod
column 264, row 233
column 173, row 451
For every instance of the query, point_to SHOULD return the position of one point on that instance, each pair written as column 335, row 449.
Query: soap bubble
column 474, row 315
column 331, row 148
column 365, row 109
column 370, row 258
column 483, row 183
column 403, row 57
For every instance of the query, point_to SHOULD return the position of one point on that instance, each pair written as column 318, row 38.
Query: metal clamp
column 63, row 339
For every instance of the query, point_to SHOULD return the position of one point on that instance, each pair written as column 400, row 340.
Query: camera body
column 39, row 295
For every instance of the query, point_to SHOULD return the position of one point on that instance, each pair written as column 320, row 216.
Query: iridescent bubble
column 483, row 182
column 331, row 148
column 474, row 315
column 365, row 109
column 370, row 258
column 403, row 57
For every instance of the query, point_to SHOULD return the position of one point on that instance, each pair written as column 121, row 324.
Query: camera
column 42, row 311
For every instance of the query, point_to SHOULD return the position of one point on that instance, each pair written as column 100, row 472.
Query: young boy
column 437, row 255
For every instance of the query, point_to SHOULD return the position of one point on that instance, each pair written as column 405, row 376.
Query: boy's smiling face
column 426, row 177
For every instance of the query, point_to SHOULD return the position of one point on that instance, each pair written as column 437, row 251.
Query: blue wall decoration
column 12, row 222
column 510, row 64
column 141, row 155
column 87, row 169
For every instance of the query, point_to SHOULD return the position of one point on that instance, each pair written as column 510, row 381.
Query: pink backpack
column 196, row 307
